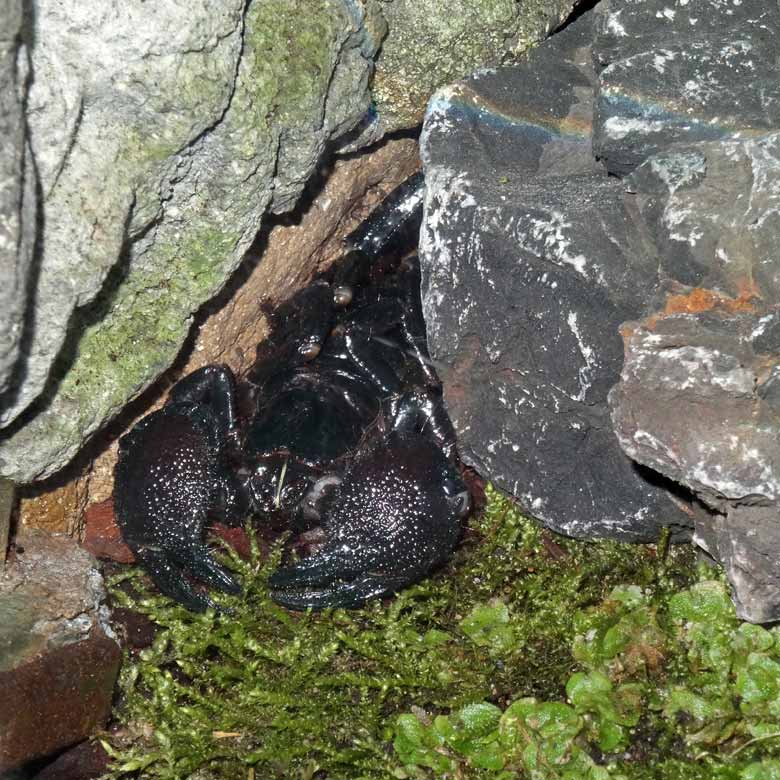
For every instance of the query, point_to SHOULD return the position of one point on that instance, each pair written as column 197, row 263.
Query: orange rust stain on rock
column 701, row 299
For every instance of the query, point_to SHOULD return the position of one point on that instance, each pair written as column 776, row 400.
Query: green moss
column 133, row 331
column 287, row 63
column 294, row 694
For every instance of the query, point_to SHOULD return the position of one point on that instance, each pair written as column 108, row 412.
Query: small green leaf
column 759, row 680
column 410, row 730
column 769, row 769
column 487, row 625
column 480, row 718
column 704, row 602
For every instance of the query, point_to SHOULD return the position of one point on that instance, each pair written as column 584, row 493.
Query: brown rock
column 57, row 699
column 58, row 510
column 102, row 536
column 57, row 662
column 84, row 761
column 136, row 631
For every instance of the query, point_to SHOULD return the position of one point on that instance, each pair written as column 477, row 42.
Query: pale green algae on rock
column 225, row 140
column 431, row 43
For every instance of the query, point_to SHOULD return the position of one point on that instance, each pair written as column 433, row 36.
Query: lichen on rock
column 158, row 156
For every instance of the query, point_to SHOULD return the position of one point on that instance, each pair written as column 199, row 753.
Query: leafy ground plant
column 528, row 656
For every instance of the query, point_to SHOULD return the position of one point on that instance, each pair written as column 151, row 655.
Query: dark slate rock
column 531, row 261
column 534, row 119
column 534, row 258
column 628, row 27
column 713, row 212
column 683, row 72
column 697, row 404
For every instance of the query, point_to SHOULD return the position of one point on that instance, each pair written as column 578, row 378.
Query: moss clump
column 465, row 675
column 671, row 685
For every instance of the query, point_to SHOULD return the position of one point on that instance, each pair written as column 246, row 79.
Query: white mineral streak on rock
column 764, row 200
column 661, row 58
column 445, row 193
column 617, row 127
column 551, row 234
column 698, row 367
column 711, row 474
column 649, row 441
column 761, row 325
column 588, row 355
column 614, row 26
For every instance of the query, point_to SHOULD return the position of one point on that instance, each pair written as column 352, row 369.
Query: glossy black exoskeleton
column 348, row 442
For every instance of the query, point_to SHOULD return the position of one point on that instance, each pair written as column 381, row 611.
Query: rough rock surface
column 533, row 257
column 161, row 135
column 712, row 211
column 699, row 401
column 697, row 397
column 431, row 43
column 531, row 262
column 685, row 70
column 17, row 197
column 6, row 507
column 58, row 658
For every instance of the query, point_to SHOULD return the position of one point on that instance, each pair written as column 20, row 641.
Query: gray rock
column 683, row 72
column 713, row 212
column 531, row 260
column 7, row 495
column 698, row 402
column 431, row 43
column 17, row 196
column 161, row 135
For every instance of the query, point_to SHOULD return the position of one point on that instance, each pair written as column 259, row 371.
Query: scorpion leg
column 394, row 223
column 391, row 230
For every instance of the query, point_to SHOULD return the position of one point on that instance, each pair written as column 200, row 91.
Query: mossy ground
column 528, row 656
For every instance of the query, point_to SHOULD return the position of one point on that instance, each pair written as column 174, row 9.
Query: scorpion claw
column 169, row 477
column 391, row 521
column 168, row 577
column 339, row 593
column 201, row 565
